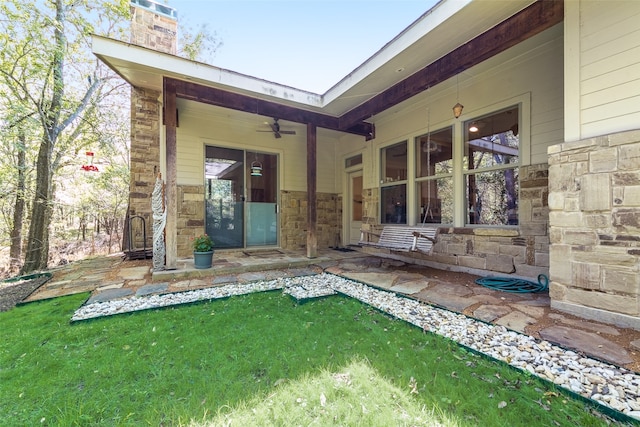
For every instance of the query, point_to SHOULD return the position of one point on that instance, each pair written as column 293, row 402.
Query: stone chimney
column 154, row 25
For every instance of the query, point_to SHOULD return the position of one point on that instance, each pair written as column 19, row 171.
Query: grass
column 209, row 362
column 354, row 395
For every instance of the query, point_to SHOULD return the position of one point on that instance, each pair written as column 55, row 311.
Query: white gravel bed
column 609, row 385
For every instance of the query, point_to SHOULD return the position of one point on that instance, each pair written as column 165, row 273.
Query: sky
column 306, row 44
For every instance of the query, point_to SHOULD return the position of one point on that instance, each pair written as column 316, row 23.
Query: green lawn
column 192, row 363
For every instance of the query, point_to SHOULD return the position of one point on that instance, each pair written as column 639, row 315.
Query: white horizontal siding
column 609, row 66
column 609, row 62
column 605, row 20
column 189, row 160
column 611, row 95
column 197, row 129
column 623, row 74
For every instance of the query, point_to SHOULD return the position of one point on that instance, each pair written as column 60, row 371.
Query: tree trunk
column 15, row 251
column 37, row 253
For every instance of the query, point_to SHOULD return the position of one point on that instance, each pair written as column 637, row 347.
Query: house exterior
column 539, row 173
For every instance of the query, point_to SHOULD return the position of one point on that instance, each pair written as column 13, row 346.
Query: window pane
column 352, row 161
column 492, row 140
column 356, row 202
column 435, row 197
column 492, row 197
column 393, row 201
column 434, row 154
column 394, row 162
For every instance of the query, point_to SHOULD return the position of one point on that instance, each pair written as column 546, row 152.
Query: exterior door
column 262, row 199
column 224, row 196
column 241, row 194
column 354, row 208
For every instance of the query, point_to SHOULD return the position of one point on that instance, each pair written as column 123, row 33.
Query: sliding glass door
column 262, row 199
column 241, row 197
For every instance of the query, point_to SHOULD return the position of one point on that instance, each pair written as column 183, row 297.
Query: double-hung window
column 393, row 188
column 434, row 176
column 491, row 161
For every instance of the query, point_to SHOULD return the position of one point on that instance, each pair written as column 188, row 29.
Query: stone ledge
column 617, row 319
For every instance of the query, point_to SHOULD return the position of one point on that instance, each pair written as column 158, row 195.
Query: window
column 434, row 176
column 393, row 192
column 353, row 161
column 491, row 160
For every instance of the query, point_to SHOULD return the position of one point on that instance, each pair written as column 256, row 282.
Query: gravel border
column 14, row 291
column 611, row 386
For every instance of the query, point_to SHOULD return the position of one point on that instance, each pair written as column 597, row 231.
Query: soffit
column 440, row 30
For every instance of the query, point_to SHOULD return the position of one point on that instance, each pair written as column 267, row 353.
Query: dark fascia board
column 235, row 101
column 530, row 21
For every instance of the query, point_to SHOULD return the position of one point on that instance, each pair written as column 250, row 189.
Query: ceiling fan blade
column 277, row 135
column 288, row 132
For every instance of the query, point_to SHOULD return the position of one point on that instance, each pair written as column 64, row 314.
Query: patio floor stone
column 110, row 294
column 589, row 342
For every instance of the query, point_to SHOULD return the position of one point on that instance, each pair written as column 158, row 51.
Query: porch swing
column 406, row 238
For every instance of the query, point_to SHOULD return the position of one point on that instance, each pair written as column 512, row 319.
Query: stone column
column 154, row 26
column 594, row 218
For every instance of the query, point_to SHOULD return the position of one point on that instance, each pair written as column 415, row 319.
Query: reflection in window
column 434, row 168
column 353, row 161
column 491, row 161
column 393, row 201
column 434, row 153
column 356, row 203
column 394, row 162
column 393, row 194
column 436, row 200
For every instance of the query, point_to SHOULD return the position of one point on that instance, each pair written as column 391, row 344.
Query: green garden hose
column 508, row 284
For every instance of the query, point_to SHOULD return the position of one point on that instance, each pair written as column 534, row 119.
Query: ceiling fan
column 275, row 128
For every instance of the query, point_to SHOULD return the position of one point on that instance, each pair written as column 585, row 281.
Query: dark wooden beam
column 312, row 213
column 171, row 122
column 536, row 18
column 222, row 98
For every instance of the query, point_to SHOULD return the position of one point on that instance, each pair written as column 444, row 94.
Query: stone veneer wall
column 594, row 200
column 190, row 217
column 293, row 219
column 522, row 251
column 155, row 31
column 144, row 159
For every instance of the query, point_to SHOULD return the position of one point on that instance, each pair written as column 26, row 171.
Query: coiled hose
column 508, row 284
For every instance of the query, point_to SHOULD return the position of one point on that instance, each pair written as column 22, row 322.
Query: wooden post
column 170, row 122
column 312, row 212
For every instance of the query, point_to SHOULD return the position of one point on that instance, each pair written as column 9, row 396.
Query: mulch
column 14, row 292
